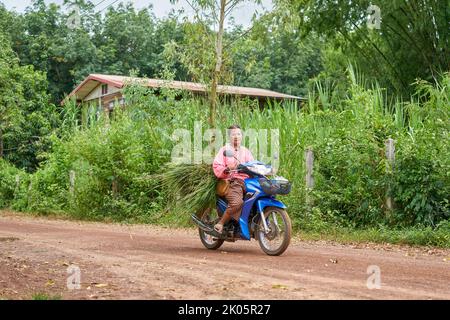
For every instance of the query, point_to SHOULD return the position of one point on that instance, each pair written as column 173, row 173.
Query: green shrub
column 12, row 183
column 422, row 181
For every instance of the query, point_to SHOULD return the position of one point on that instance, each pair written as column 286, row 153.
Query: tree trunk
column 218, row 68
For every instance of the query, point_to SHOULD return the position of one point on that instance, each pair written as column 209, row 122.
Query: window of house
column 104, row 89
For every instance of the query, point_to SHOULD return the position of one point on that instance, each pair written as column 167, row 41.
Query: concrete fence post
column 309, row 177
column 17, row 181
column 390, row 156
column 72, row 182
column 30, row 187
column 309, row 160
column 115, row 187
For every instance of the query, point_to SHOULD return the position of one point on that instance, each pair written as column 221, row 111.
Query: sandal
column 218, row 228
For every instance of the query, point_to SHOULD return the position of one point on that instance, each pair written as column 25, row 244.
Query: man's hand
column 232, row 166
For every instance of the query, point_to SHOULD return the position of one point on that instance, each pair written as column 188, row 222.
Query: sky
column 242, row 14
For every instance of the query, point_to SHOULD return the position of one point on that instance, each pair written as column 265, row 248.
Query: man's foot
column 218, row 228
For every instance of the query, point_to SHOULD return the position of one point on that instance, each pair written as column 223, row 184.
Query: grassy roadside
column 408, row 236
column 45, row 296
column 413, row 236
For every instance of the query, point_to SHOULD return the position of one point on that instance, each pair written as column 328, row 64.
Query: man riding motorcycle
column 223, row 169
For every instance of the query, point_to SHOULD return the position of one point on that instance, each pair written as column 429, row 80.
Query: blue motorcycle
column 263, row 217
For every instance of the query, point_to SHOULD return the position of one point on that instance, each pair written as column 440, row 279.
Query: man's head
column 235, row 135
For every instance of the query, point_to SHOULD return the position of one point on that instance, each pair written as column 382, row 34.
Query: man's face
column 235, row 137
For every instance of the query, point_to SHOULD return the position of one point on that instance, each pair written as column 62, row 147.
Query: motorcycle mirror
column 228, row 154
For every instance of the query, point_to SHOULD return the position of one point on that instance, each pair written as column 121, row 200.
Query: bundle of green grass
column 190, row 188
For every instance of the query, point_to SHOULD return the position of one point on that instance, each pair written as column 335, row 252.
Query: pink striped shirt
column 220, row 162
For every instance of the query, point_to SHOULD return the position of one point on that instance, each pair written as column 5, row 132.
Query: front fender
column 269, row 202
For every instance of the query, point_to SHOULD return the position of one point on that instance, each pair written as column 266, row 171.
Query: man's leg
column 235, row 203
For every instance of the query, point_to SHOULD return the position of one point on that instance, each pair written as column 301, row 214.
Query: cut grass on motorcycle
column 189, row 187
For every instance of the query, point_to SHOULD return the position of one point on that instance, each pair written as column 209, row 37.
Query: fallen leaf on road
column 279, row 286
column 62, row 263
column 101, row 285
column 333, row 261
column 50, row 283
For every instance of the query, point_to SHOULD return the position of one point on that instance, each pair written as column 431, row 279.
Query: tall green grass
column 113, row 159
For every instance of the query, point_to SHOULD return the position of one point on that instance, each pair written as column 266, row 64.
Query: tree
column 412, row 42
column 122, row 41
column 26, row 116
column 275, row 58
column 42, row 39
column 208, row 15
column 10, row 90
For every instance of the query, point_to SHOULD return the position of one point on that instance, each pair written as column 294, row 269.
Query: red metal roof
column 88, row 84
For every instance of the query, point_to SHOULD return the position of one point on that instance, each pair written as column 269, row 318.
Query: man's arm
column 219, row 165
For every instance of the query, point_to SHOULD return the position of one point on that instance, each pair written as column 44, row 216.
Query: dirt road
column 147, row 262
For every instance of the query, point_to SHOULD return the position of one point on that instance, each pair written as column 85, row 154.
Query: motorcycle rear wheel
column 280, row 229
column 209, row 241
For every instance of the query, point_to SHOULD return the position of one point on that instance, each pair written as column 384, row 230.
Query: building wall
column 97, row 92
column 110, row 101
column 105, row 102
column 102, row 104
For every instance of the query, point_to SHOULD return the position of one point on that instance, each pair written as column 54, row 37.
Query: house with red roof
column 106, row 91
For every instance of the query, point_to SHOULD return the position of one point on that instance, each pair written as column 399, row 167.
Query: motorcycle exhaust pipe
column 201, row 224
column 207, row 228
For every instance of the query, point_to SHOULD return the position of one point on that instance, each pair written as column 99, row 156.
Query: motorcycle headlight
column 260, row 169
column 281, row 179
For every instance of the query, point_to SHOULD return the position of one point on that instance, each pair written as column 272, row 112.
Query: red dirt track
column 147, row 262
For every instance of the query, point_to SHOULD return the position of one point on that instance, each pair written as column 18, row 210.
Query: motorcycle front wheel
column 276, row 239
column 210, row 242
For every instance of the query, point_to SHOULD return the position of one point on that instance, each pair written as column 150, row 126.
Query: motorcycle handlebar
column 233, row 171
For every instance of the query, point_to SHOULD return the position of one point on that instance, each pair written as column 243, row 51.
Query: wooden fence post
column 390, row 156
